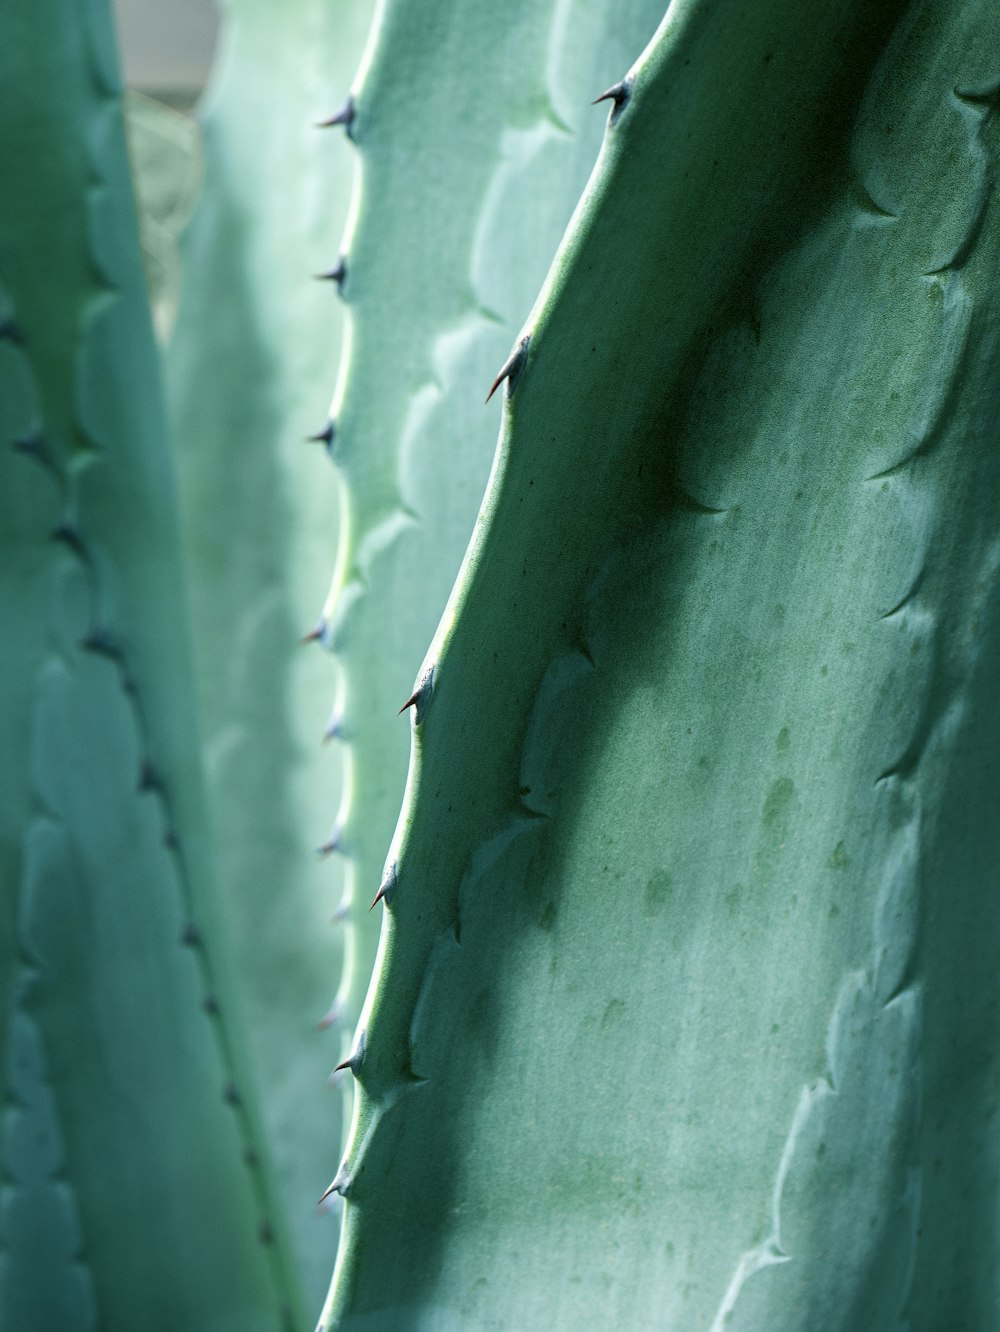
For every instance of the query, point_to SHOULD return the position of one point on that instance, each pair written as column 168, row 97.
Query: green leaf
column 686, row 1000
column 126, row 1201
column 475, row 134
column 249, row 371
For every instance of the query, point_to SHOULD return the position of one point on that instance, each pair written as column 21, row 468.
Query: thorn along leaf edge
column 387, row 887
column 337, row 274
column 512, row 367
column 619, row 94
column 345, row 116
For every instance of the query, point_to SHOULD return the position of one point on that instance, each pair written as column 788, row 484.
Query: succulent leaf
column 249, row 366
column 125, row 1200
column 465, row 187
column 693, row 914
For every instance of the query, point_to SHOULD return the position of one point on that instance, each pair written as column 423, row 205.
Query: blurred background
column 167, row 49
column 167, row 53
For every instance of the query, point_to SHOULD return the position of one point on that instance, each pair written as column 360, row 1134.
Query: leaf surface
column 685, row 1015
column 126, row 1198
column 249, row 363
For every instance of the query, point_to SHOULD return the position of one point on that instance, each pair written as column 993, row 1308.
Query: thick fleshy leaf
column 250, row 363
column 686, row 1006
column 127, row 1130
column 476, row 135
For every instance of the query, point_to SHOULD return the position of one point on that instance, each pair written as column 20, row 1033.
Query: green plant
column 435, row 279
column 684, row 1003
column 249, row 368
column 125, row 1199
column 658, row 1037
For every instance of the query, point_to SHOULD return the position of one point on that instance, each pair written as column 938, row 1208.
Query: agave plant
column 683, row 1008
column 136, row 1189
